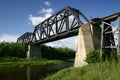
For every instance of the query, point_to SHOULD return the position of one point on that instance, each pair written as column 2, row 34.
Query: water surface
column 30, row 72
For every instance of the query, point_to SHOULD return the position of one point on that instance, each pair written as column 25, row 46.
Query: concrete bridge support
column 88, row 39
column 34, row 51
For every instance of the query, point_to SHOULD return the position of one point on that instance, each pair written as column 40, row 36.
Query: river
column 30, row 72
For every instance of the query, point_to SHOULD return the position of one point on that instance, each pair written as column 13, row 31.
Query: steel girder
column 63, row 24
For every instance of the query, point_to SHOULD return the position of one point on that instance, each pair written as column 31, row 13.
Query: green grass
column 20, row 62
column 98, row 71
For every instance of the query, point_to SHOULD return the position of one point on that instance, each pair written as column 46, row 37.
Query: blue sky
column 20, row 16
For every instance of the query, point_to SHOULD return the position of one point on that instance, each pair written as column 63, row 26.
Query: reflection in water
column 30, row 72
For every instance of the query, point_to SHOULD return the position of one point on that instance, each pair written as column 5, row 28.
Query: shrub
column 93, row 56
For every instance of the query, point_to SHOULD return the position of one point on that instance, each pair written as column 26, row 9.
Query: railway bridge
column 98, row 33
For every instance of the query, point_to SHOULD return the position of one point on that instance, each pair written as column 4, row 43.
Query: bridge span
column 63, row 24
column 99, row 33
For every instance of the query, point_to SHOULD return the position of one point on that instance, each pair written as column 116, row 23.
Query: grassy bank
column 21, row 62
column 98, row 71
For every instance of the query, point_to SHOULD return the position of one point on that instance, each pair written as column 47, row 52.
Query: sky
column 20, row 16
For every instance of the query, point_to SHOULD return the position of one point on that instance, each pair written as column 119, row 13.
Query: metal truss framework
column 25, row 37
column 63, row 24
column 110, row 35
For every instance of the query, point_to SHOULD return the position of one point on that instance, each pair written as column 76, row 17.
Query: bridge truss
column 63, row 24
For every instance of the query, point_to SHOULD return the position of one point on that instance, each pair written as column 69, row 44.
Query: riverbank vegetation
column 20, row 62
column 96, row 71
column 19, row 50
column 106, row 69
column 94, row 56
column 13, row 50
column 14, row 54
column 49, row 52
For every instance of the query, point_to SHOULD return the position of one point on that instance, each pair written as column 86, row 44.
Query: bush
column 93, row 56
column 113, row 55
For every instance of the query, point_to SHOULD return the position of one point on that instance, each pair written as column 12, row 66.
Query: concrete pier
column 34, row 51
column 88, row 39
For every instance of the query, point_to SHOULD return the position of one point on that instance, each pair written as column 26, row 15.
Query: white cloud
column 8, row 38
column 47, row 3
column 46, row 11
column 69, row 42
column 35, row 20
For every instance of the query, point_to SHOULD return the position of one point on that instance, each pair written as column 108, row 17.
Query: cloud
column 47, row 3
column 69, row 42
column 46, row 11
column 35, row 20
column 8, row 38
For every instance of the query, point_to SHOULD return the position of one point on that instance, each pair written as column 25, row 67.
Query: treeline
column 13, row 50
column 19, row 50
column 57, row 53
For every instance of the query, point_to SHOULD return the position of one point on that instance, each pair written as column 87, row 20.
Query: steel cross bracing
column 63, row 24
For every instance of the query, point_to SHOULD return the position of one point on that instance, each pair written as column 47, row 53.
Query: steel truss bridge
column 63, row 24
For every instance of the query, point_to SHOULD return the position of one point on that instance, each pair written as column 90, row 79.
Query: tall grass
column 97, row 71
